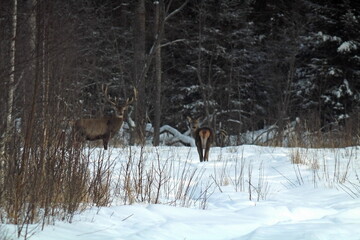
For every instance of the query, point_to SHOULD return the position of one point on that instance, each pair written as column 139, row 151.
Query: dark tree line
column 240, row 64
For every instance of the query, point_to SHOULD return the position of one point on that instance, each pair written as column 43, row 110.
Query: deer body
column 204, row 137
column 92, row 129
column 104, row 128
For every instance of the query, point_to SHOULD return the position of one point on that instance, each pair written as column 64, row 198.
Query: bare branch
column 176, row 10
column 172, row 42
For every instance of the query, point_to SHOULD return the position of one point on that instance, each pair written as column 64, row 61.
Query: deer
column 106, row 127
column 204, row 138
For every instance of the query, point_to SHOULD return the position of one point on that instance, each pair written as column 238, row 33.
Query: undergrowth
column 40, row 185
column 43, row 183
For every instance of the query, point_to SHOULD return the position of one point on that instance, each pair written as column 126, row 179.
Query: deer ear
column 189, row 118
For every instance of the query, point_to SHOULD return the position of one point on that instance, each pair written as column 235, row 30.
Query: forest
column 239, row 65
column 288, row 68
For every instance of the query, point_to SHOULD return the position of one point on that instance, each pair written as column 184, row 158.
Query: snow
column 326, row 37
column 288, row 201
column 347, row 46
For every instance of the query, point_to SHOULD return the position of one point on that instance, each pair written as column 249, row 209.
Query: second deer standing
column 204, row 137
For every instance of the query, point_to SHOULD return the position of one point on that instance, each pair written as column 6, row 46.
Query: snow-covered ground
column 246, row 192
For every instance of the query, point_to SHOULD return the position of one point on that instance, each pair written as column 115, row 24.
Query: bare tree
column 200, row 61
column 158, row 71
column 138, row 135
column 11, row 84
column 146, row 61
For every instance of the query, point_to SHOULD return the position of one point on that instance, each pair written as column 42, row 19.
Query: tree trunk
column 11, row 88
column 158, row 70
column 45, row 94
column 34, row 80
column 138, row 135
column 10, row 99
column 142, row 64
column 203, row 87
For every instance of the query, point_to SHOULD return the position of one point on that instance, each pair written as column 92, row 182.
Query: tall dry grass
column 48, row 180
column 309, row 133
column 330, row 167
column 144, row 176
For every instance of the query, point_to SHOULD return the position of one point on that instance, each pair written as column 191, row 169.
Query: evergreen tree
column 327, row 77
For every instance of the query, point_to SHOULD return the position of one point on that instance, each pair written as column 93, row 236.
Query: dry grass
column 331, row 167
column 239, row 173
column 146, row 177
column 309, row 133
column 297, row 158
column 49, row 180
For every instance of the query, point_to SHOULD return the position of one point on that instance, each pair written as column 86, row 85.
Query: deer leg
column 207, row 149
column 77, row 138
column 200, row 150
column 106, row 141
column 207, row 153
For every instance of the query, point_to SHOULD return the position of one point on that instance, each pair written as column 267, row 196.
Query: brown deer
column 204, row 137
column 105, row 127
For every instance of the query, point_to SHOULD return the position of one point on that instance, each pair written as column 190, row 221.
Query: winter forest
column 240, row 66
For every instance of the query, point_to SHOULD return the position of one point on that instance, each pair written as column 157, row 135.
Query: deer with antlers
column 204, row 137
column 106, row 127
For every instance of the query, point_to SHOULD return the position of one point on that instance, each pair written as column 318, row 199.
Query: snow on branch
column 175, row 136
column 347, row 46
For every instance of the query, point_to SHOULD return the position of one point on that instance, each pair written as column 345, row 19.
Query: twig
column 127, row 217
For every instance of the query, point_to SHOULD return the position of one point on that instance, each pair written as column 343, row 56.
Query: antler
column 107, row 97
column 131, row 100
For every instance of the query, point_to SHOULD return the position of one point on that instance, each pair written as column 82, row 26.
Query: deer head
column 194, row 124
column 105, row 127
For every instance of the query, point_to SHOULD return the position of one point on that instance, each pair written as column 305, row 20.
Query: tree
column 158, row 72
column 139, row 74
column 11, row 83
column 327, row 77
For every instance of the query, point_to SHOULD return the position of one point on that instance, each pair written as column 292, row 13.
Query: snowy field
column 244, row 193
